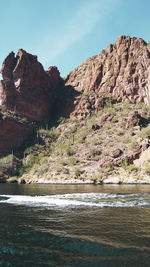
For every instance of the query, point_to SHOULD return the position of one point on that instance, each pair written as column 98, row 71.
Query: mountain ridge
column 121, row 70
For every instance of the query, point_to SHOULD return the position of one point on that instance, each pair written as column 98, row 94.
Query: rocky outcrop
column 116, row 153
column 85, row 105
column 133, row 119
column 26, row 88
column 122, row 70
column 14, row 134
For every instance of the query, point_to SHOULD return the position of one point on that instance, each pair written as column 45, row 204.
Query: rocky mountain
column 105, row 101
column 122, row 70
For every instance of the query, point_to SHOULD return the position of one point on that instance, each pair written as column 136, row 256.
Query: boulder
column 106, row 117
column 135, row 119
column 95, row 127
column 133, row 156
column 116, row 153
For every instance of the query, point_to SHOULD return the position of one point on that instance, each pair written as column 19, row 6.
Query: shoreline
column 48, row 182
column 121, row 178
column 72, row 183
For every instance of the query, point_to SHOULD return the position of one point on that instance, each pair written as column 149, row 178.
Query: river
column 74, row 225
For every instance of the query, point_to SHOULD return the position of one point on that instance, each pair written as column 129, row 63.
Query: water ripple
column 100, row 200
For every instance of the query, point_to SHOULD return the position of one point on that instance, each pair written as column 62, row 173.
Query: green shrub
column 42, row 131
column 78, row 172
column 94, row 152
column 134, row 145
column 127, row 105
column 114, row 119
column 120, row 132
column 108, row 126
column 49, row 133
column 65, row 170
column 110, row 166
column 129, row 167
column 95, row 141
column 70, row 151
column 105, row 153
column 23, row 120
column 73, row 160
column 6, row 160
column 3, row 108
column 124, row 164
column 144, row 133
column 63, row 162
column 145, row 108
column 110, row 144
column 109, row 108
column 133, row 168
column 33, row 161
column 58, row 169
column 127, row 140
column 62, row 120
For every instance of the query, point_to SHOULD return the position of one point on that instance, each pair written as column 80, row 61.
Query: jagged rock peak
column 122, row 70
column 26, row 87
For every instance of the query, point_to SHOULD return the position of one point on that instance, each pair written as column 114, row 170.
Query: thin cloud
column 82, row 23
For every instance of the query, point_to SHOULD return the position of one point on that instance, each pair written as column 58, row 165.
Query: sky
column 64, row 33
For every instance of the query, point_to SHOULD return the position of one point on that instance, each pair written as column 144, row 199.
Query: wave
column 85, row 199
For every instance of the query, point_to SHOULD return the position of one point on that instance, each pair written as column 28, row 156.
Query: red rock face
column 13, row 134
column 123, row 70
column 26, row 88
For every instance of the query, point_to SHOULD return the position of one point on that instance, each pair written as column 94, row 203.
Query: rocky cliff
column 26, row 88
column 122, row 70
column 28, row 93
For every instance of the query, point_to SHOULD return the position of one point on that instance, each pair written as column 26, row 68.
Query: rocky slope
column 100, row 149
column 105, row 102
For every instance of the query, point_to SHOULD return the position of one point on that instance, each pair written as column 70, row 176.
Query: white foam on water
column 85, row 199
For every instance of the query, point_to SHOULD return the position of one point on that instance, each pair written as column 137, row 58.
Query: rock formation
column 26, row 88
column 122, row 70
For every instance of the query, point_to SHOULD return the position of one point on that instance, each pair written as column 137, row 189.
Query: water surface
column 74, row 225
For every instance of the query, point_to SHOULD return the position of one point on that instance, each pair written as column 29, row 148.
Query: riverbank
column 101, row 149
column 104, row 148
column 124, row 178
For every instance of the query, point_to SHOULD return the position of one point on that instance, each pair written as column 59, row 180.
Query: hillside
column 93, row 127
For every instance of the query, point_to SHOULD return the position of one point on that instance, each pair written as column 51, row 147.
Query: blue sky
column 66, row 32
